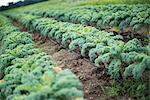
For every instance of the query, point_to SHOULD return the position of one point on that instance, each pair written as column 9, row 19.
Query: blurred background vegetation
column 95, row 2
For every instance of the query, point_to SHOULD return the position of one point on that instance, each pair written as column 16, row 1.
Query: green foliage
column 132, row 88
column 123, row 60
column 66, row 38
column 67, row 85
column 4, row 31
column 77, row 43
column 97, row 2
column 100, row 46
column 103, row 59
column 92, row 55
column 120, row 16
column 28, row 73
column 20, row 51
column 136, row 69
column 16, row 38
column 114, row 68
column 129, row 57
column 133, row 45
column 86, row 48
column 113, row 91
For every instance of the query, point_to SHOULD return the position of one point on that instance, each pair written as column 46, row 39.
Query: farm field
column 76, row 50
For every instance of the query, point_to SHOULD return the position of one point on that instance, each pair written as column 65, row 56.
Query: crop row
column 27, row 73
column 118, row 18
column 129, row 59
